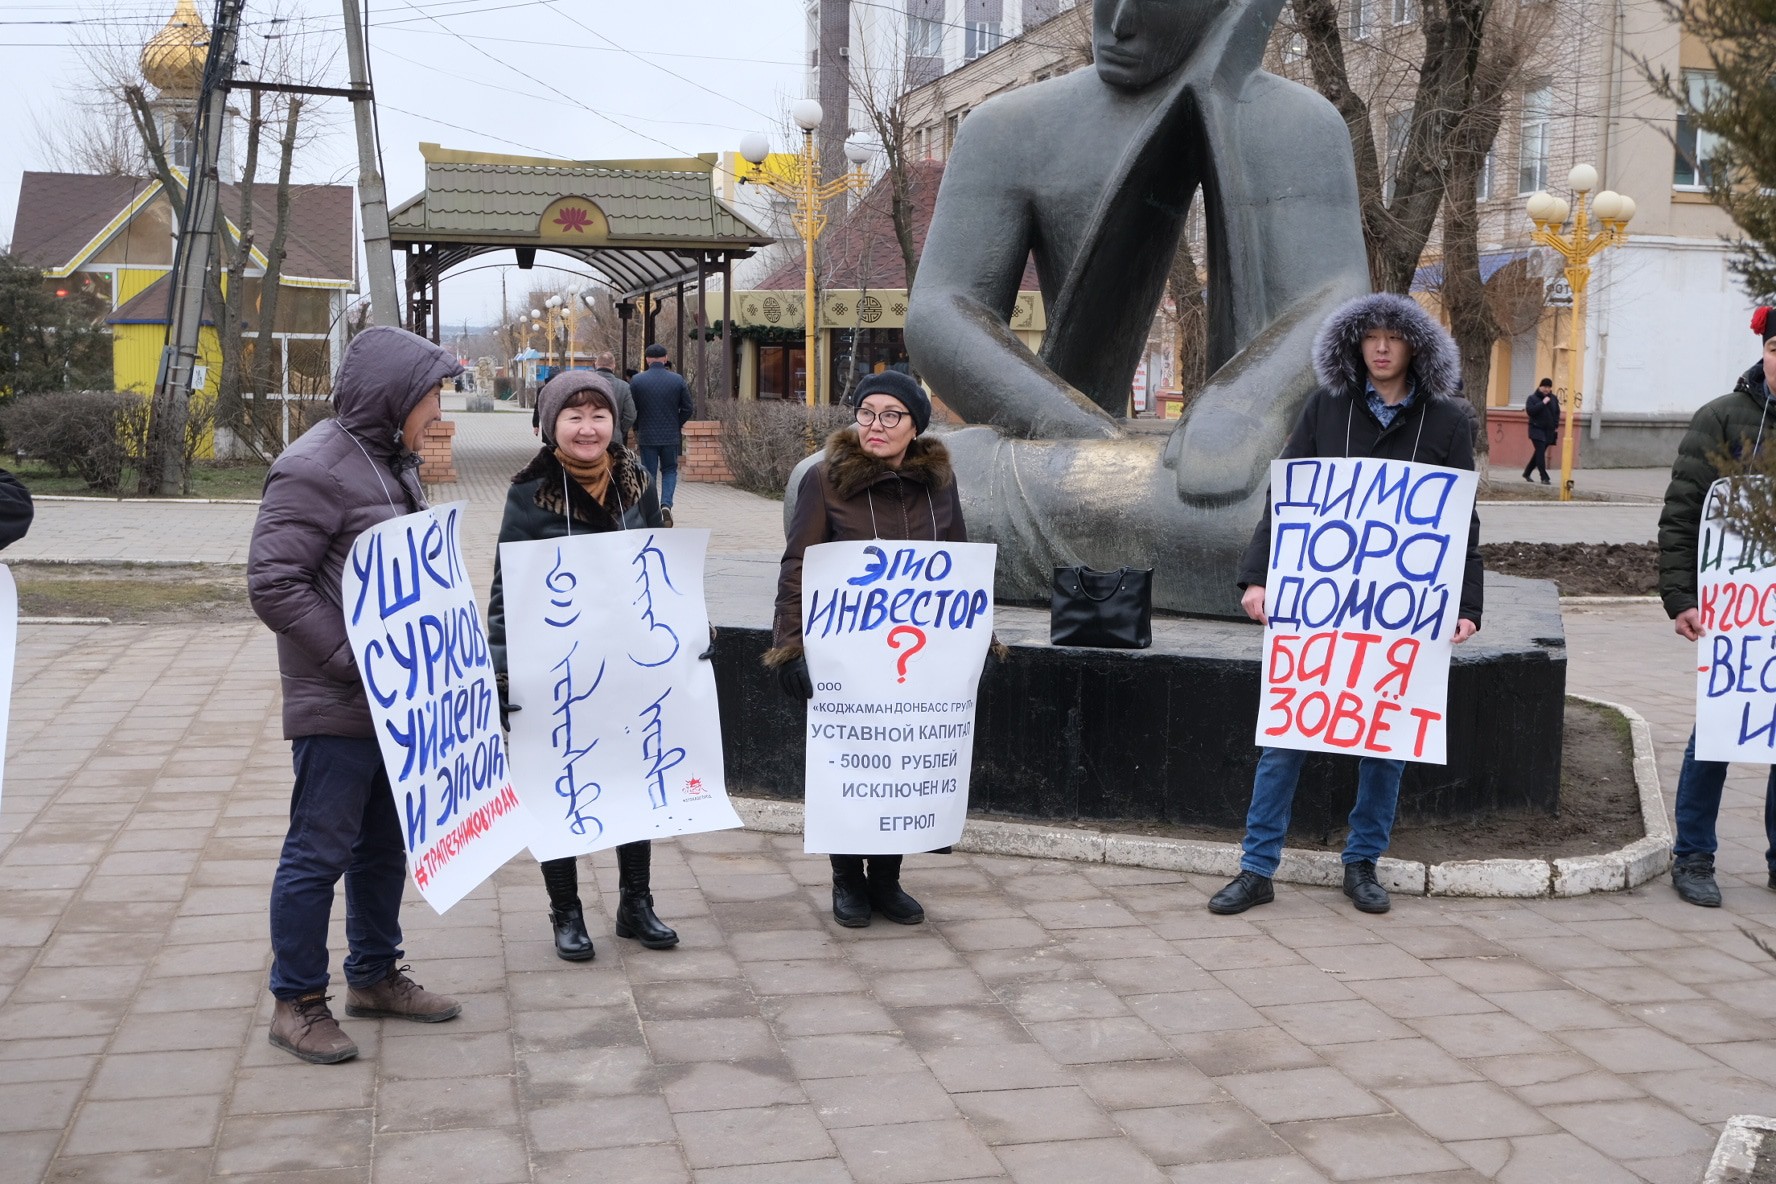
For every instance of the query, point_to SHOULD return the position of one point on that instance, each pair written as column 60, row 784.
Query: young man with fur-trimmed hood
column 1387, row 390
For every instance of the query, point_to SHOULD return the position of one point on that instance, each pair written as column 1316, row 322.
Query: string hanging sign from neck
column 567, row 505
column 374, row 468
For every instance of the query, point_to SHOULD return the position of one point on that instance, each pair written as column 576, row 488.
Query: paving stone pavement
column 1052, row 1022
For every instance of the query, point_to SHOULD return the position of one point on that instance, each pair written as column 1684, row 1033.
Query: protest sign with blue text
column 896, row 634
column 422, row 651
column 1736, row 657
column 619, row 736
column 1364, row 591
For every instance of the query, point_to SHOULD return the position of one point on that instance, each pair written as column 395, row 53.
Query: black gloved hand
column 792, row 676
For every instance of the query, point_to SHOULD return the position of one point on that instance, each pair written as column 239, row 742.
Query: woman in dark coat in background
column 582, row 482
column 879, row 479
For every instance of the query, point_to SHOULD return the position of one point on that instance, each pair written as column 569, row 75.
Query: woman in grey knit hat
column 583, row 481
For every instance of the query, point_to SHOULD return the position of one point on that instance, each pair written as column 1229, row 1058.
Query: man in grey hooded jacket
column 342, row 477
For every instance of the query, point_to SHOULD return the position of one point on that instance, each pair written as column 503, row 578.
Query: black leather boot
column 851, row 905
column 886, row 895
column 572, row 942
column 635, row 904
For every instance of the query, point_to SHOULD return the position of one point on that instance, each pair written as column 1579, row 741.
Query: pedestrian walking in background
column 605, row 364
column 1735, row 424
column 1542, row 410
column 582, row 482
column 1387, row 375
column 344, row 475
column 662, row 407
column 880, row 479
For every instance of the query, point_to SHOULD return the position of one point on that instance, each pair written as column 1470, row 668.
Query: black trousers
column 1538, row 461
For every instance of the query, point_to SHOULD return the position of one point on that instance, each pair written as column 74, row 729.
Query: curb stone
column 1579, row 875
column 1736, row 1152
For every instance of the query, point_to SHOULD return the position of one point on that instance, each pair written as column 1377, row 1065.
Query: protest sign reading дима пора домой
column 422, row 651
column 618, row 737
column 1364, row 592
column 896, row 634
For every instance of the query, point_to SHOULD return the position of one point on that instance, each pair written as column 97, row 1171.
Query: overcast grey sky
column 579, row 79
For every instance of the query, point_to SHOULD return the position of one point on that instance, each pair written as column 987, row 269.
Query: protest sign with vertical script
column 422, row 651
column 619, row 736
column 896, row 633
column 1364, row 592
column 1736, row 658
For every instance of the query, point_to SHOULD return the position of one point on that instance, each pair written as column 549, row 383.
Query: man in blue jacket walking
column 662, row 407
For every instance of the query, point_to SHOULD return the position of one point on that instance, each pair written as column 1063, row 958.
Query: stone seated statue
column 1094, row 172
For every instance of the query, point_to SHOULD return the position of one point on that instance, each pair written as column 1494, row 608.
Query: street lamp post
column 553, row 304
column 536, row 326
column 810, row 196
column 1577, row 247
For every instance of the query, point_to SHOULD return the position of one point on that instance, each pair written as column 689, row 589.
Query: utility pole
column 192, row 261
column 385, row 308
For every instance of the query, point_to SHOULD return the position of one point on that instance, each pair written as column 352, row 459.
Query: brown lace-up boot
column 398, row 997
column 305, row 1027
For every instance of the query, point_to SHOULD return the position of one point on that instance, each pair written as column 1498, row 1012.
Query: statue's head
column 1135, row 43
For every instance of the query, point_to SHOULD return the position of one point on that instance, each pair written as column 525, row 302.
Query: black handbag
column 1107, row 609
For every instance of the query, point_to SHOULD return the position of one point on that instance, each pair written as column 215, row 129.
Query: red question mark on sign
column 918, row 643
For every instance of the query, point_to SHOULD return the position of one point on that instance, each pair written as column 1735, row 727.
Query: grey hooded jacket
column 342, row 477
column 1438, row 428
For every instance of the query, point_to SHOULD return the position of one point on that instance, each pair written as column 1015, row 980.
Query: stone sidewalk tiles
column 1053, row 1021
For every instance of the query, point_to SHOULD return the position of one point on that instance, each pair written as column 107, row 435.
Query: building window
column 1295, row 48
column 1532, row 142
column 1693, row 165
column 924, row 36
column 1405, row 12
column 1399, row 129
column 1362, row 17
column 1483, row 187
column 952, row 125
column 981, row 37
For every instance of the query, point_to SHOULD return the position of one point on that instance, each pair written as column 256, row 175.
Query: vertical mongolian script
column 1363, row 593
column 659, row 645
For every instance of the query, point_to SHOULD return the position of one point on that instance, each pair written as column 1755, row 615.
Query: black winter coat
column 1436, row 429
column 538, row 507
column 662, row 406
column 1543, row 412
column 1737, row 424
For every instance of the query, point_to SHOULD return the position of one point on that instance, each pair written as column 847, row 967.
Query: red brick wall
column 437, row 467
column 702, row 459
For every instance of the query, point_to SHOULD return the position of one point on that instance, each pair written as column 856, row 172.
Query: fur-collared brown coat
column 852, row 495
column 538, row 507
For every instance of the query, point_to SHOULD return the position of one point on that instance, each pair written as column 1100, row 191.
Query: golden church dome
column 173, row 59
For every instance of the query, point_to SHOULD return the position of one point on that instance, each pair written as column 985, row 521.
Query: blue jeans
column 342, row 823
column 1273, row 798
column 654, row 458
column 1699, row 786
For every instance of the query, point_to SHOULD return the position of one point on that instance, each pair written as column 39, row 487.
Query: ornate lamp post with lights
column 810, row 197
column 553, row 304
column 1577, row 246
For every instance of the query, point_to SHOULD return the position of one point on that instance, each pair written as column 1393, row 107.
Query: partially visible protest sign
column 619, row 737
column 1736, row 658
column 422, row 651
column 8, row 652
column 1363, row 595
column 896, row 634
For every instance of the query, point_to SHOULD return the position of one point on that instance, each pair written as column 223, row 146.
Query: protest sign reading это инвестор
column 1736, row 657
column 619, row 737
column 422, row 651
column 896, row 634
column 1364, row 592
